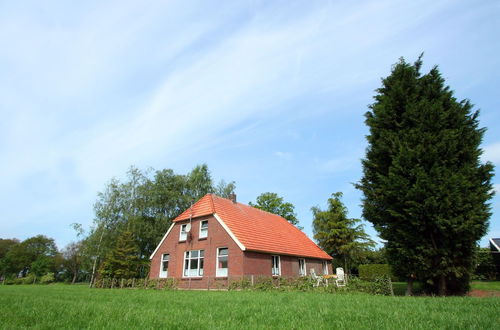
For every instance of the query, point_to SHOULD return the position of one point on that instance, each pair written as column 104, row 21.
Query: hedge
column 372, row 271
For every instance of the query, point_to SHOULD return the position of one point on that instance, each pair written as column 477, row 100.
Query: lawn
column 486, row 285
column 65, row 306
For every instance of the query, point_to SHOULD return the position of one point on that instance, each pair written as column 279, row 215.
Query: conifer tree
column 341, row 237
column 425, row 190
column 123, row 261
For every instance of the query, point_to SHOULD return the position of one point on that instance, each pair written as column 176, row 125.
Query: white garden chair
column 340, row 281
column 317, row 279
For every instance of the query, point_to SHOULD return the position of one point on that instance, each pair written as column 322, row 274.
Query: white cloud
column 107, row 86
column 492, row 153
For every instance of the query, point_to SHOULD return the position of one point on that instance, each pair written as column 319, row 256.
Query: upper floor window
column 276, row 267
column 302, row 267
column 183, row 234
column 164, row 265
column 203, row 229
column 222, row 254
column 193, row 263
column 325, row 267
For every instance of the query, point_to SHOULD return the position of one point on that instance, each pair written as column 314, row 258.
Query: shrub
column 30, row 279
column 372, row 271
column 47, row 278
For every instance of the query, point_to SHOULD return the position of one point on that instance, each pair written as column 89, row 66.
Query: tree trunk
column 74, row 278
column 442, row 286
column 409, row 287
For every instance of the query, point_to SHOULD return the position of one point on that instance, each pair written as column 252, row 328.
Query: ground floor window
column 325, row 267
column 193, row 263
column 222, row 255
column 302, row 267
column 276, row 267
column 164, row 265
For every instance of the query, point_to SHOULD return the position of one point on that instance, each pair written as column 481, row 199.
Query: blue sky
column 270, row 94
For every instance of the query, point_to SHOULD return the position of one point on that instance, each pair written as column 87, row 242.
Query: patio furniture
column 340, row 281
column 318, row 280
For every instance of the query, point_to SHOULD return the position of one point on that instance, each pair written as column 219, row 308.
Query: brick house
column 218, row 238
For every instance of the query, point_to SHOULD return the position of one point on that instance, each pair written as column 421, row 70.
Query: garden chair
column 340, row 281
column 318, row 280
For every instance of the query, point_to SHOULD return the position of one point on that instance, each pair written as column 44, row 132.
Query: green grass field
column 66, row 306
column 486, row 285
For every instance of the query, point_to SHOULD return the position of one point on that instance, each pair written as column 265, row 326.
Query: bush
column 47, row 278
column 30, row 279
column 372, row 271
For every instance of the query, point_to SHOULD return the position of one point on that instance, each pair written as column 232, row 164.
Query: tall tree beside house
column 275, row 204
column 123, row 260
column 341, row 237
column 425, row 190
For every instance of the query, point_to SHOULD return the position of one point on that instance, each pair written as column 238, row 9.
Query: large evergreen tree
column 340, row 236
column 424, row 187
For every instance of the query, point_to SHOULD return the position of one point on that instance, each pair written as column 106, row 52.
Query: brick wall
column 217, row 237
column 239, row 262
column 256, row 263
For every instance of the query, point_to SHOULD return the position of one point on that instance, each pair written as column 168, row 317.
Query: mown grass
column 486, row 285
column 65, row 306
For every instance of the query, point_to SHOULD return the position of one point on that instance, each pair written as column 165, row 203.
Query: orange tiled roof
column 257, row 230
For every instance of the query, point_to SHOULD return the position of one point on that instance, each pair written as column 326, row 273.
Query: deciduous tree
column 275, row 204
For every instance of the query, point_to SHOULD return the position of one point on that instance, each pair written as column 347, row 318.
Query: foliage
column 485, row 268
column 47, row 278
column 224, row 189
column 73, row 255
column 37, row 254
column 341, row 237
column 7, row 244
column 145, row 203
column 84, row 308
column 372, row 271
column 425, row 190
column 123, row 261
column 272, row 203
column 41, row 265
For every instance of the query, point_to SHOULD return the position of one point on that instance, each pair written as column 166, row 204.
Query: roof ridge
column 212, row 202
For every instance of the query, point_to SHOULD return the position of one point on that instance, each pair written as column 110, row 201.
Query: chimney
column 232, row 197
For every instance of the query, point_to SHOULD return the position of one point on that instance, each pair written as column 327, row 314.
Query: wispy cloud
column 86, row 91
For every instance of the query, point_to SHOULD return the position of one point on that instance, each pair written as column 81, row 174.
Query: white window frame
column 302, row 267
column 203, row 233
column 325, row 267
column 183, row 233
column 275, row 271
column 200, row 258
column 221, row 272
column 164, row 273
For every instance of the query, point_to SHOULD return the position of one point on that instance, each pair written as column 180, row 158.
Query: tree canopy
column 425, row 189
column 145, row 203
column 272, row 203
column 341, row 237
